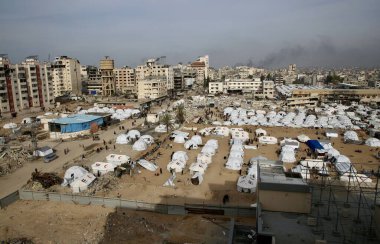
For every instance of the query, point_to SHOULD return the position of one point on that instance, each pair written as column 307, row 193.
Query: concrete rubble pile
column 12, row 159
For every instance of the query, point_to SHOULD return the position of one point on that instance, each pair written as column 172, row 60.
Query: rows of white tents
column 300, row 119
column 120, row 114
column 199, row 167
column 140, row 143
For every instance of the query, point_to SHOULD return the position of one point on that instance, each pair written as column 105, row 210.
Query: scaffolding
column 344, row 212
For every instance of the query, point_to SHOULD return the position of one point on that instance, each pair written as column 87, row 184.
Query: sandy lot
column 52, row 222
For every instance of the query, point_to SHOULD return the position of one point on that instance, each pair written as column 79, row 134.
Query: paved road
column 12, row 182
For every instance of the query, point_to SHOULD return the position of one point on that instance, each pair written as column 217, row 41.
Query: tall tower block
column 108, row 78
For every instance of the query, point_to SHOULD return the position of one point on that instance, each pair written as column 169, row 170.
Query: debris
column 46, row 179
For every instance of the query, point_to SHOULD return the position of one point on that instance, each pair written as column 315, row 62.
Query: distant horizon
column 269, row 34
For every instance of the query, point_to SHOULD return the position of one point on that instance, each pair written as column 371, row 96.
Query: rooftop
column 76, row 118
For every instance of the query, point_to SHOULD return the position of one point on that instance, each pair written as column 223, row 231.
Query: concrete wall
column 377, row 219
column 294, row 202
column 130, row 204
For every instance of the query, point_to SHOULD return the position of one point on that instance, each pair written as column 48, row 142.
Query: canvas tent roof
column 73, row 173
column 260, row 131
column 122, row 139
column 139, row 145
column 117, row 159
column 147, row 165
column 303, row 138
column 247, row 183
column 82, row 183
column 314, row 145
column 372, row 142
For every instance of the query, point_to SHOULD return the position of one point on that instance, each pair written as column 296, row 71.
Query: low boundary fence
column 7, row 200
column 137, row 205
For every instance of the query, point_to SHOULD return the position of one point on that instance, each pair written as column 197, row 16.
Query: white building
column 242, row 85
column 66, row 73
column 153, row 69
column 215, row 87
column 125, row 80
column 152, row 88
column 24, row 86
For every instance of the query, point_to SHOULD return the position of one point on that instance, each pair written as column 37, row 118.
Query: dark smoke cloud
column 324, row 53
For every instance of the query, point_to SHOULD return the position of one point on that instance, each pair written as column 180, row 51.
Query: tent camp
column 234, row 163
column 180, row 155
column 117, row 159
column 204, row 158
column 198, row 167
column 197, row 178
column 176, row 165
column 160, row 129
column 190, row 144
column 101, row 168
column 247, row 183
column 82, row 183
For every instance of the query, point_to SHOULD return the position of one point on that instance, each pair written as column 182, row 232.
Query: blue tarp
column 77, row 122
column 314, row 144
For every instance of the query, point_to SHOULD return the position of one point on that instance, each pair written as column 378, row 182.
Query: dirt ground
column 54, row 222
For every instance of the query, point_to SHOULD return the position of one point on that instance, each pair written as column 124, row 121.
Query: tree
column 166, row 120
column 181, row 114
column 206, row 81
column 262, row 77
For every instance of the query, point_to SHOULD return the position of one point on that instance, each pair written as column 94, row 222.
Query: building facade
column 125, row 80
column 66, row 76
column 25, row 86
column 152, row 88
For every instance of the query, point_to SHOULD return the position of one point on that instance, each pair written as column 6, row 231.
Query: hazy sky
column 266, row 33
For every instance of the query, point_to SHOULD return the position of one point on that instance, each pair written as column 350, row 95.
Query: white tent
column 179, row 139
column 341, row 159
column 290, row 143
column 355, row 178
column 117, row 159
column 191, row 144
column 303, row 138
column 101, row 168
column 213, row 143
column 260, row 132
column 148, row 165
column 198, row 167
column 252, row 170
column 351, row 135
column 73, row 173
column 82, row 183
column 180, row 155
column 287, row 154
column 234, row 163
column 208, row 150
column 160, row 129
column 247, row 183
column 122, row 139
column 267, row 140
column 332, row 134
column 204, row 158
column 197, row 178
column 10, row 126
column 221, row 131
column 372, row 142
column 332, row 152
column 148, row 139
column 26, row 120
column 133, row 134
column 139, row 145
column 176, row 165
column 197, row 139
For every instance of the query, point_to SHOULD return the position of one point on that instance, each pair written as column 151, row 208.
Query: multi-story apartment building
column 201, row 69
column 256, row 87
column 24, row 86
column 242, row 85
column 153, row 69
column 179, row 83
column 215, row 87
column 374, row 83
column 66, row 76
column 152, row 88
column 91, row 80
column 125, row 80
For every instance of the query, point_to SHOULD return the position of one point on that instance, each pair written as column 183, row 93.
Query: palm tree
column 181, row 114
column 166, row 120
